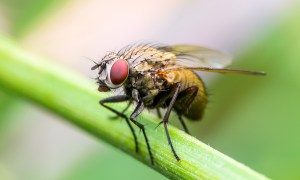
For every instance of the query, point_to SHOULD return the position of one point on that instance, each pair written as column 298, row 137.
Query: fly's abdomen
column 196, row 110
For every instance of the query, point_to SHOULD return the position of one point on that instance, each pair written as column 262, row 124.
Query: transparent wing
column 196, row 56
column 220, row 70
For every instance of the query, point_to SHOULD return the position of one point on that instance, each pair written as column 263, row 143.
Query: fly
column 156, row 77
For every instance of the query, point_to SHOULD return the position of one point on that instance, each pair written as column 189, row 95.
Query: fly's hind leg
column 182, row 123
column 115, row 99
column 166, row 118
column 158, row 113
column 184, row 100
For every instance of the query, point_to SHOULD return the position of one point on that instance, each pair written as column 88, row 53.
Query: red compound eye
column 119, row 72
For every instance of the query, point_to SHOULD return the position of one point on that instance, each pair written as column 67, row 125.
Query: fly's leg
column 139, row 108
column 123, row 112
column 166, row 118
column 115, row 99
column 184, row 99
column 183, row 124
column 158, row 113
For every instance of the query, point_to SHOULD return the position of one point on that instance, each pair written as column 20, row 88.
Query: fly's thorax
column 148, row 84
column 143, row 59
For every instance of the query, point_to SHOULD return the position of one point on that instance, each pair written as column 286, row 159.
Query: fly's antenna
column 96, row 64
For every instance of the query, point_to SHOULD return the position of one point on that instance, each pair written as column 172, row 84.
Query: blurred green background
column 254, row 120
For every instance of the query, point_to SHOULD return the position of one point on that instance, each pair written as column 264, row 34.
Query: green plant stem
column 76, row 99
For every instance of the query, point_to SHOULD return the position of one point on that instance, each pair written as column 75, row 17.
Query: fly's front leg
column 166, row 118
column 139, row 108
column 124, row 110
column 116, row 99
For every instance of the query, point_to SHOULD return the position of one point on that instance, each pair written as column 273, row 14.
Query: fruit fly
column 158, row 76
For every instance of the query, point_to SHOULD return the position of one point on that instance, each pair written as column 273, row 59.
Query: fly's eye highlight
column 119, row 72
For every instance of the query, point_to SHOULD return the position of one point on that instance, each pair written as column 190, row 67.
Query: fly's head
column 113, row 72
